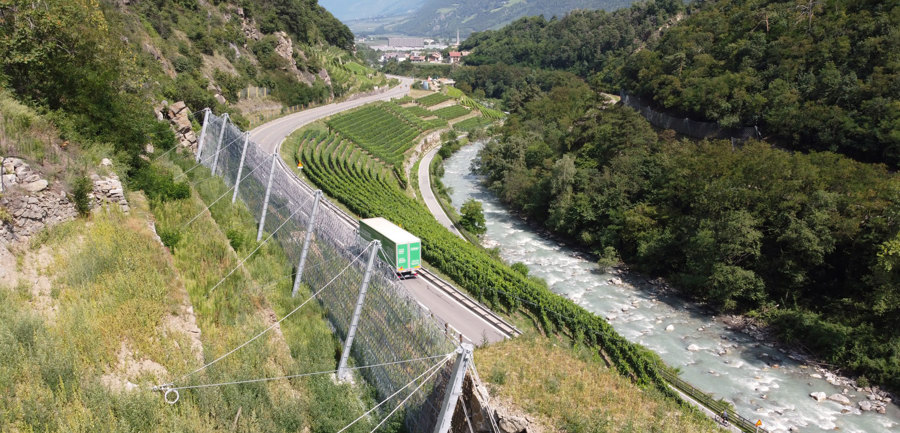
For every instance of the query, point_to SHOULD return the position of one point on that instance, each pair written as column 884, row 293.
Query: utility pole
column 309, row 232
column 343, row 374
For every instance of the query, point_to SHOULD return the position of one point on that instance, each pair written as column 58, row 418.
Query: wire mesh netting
column 392, row 326
column 691, row 128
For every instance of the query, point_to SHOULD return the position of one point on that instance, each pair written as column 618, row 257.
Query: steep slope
column 582, row 42
column 103, row 66
column 444, row 17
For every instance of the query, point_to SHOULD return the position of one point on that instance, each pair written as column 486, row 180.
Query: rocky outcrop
column 485, row 414
column 33, row 203
column 30, row 202
column 179, row 116
column 248, row 27
column 108, row 190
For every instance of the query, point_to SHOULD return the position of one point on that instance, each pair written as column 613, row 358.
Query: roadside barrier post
column 265, row 207
column 237, row 179
column 454, row 388
column 309, row 233
column 219, row 144
column 343, row 373
column 202, row 133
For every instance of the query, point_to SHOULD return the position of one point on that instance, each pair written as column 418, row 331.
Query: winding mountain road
column 473, row 321
column 428, row 195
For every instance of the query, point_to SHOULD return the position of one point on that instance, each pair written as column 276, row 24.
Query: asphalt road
column 473, row 327
column 428, row 195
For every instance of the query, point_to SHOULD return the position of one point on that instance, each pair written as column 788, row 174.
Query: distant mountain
column 444, row 17
column 346, row 10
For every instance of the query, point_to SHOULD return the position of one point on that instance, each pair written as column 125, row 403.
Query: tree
column 472, row 217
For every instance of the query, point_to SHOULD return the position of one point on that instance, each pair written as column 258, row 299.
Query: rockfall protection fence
column 683, row 125
column 391, row 325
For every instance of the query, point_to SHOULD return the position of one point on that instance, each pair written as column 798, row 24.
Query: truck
column 402, row 250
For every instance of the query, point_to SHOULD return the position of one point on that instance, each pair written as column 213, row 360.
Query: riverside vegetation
column 804, row 242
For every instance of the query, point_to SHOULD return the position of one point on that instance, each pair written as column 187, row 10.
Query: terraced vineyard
column 366, row 188
column 451, row 112
column 472, row 123
column 420, row 111
column 433, row 99
column 385, row 130
column 336, row 164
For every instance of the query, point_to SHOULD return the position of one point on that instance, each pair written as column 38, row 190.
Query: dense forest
column 808, row 242
column 585, row 42
column 815, row 75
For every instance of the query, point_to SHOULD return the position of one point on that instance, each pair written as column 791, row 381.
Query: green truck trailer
column 403, row 250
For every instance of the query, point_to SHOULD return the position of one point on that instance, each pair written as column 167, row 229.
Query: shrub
column 159, row 184
column 169, row 237
column 81, row 195
column 236, row 238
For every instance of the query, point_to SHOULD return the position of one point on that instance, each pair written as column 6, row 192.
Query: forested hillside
column 808, row 242
column 584, row 42
column 443, row 17
column 818, row 75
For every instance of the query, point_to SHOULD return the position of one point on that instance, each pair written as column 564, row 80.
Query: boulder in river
column 818, row 396
column 840, row 398
column 670, row 328
column 865, row 405
column 693, row 348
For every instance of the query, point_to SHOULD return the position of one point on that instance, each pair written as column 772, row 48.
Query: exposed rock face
column 179, row 116
column 512, row 424
column 30, row 202
column 484, row 414
column 251, row 32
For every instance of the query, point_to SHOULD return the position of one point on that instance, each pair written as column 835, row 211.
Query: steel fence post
column 454, row 388
column 309, row 233
column 265, row 207
column 343, row 373
column 237, row 179
column 219, row 145
column 202, row 132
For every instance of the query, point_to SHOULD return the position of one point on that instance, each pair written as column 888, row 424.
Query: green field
column 451, row 112
column 472, row 123
column 420, row 111
column 433, row 99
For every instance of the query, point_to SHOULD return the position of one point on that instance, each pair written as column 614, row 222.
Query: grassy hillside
column 98, row 310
